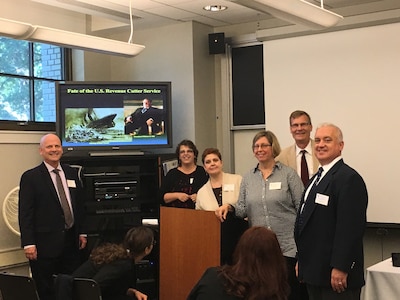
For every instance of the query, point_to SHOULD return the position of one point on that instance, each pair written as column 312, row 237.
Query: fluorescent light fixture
column 215, row 8
column 25, row 31
column 295, row 11
column 15, row 29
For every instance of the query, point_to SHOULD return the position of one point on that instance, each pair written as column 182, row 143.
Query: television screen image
column 114, row 116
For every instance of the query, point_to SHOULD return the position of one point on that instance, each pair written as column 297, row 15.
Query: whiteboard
column 350, row 78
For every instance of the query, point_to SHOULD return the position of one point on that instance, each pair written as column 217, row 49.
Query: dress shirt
column 326, row 169
column 64, row 182
column 272, row 203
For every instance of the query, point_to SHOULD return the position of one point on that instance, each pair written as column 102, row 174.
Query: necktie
column 310, row 196
column 304, row 168
column 63, row 199
column 319, row 173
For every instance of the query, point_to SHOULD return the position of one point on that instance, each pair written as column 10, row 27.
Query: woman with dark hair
column 221, row 189
column 258, row 271
column 180, row 185
column 112, row 266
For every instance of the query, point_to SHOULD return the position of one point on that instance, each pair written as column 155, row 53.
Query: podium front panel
column 189, row 244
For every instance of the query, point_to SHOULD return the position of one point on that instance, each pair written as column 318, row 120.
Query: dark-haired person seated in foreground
column 112, row 266
column 258, row 272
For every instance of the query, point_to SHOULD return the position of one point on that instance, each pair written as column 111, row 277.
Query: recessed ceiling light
column 215, row 7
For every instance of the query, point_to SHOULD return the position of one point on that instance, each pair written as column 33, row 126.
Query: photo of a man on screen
column 145, row 120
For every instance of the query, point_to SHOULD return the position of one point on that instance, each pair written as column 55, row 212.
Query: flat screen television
column 111, row 117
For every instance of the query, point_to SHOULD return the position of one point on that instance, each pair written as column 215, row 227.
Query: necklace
column 218, row 195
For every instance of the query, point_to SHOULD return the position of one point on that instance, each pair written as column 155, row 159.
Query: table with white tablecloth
column 382, row 281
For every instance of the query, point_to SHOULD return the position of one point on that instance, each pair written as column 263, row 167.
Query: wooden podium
column 189, row 244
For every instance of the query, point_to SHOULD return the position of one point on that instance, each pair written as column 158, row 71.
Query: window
column 28, row 73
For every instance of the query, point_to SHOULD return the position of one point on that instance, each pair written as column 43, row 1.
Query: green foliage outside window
column 28, row 72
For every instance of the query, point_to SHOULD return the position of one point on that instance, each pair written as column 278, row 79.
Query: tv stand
column 116, row 153
column 120, row 192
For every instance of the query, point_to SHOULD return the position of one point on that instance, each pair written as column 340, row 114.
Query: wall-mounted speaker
column 216, row 43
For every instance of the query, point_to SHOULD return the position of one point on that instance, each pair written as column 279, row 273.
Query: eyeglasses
column 296, row 125
column 262, row 146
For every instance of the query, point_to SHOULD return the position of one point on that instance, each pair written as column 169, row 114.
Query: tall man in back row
column 330, row 224
column 300, row 156
column 50, row 217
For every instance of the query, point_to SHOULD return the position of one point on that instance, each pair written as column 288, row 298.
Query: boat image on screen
column 94, row 125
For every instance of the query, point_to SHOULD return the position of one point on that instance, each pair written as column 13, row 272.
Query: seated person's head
column 147, row 103
column 258, row 246
column 259, row 270
column 139, row 242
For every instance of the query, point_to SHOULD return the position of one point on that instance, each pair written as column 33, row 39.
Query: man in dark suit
column 145, row 120
column 50, row 217
column 330, row 224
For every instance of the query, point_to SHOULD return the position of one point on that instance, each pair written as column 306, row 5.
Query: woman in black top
column 180, row 185
column 112, row 266
column 258, row 271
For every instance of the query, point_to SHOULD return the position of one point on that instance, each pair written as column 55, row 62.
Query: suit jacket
column 331, row 235
column 230, row 192
column 114, row 278
column 139, row 125
column 41, row 218
column 288, row 157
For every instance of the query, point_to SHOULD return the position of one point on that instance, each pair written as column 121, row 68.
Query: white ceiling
column 154, row 13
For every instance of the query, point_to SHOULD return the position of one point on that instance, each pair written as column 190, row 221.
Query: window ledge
column 21, row 137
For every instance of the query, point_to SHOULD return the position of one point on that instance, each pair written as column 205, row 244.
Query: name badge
column 71, row 183
column 275, row 185
column 322, row 199
column 228, row 187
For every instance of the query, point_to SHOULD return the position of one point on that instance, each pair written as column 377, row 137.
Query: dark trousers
column 298, row 291
column 44, row 268
column 325, row 293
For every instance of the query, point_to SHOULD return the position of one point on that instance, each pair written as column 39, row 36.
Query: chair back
column 13, row 287
column 86, row 289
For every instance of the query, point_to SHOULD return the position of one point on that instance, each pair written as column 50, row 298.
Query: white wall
column 176, row 53
column 18, row 152
column 350, row 78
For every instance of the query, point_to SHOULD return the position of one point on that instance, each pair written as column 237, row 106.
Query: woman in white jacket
column 221, row 189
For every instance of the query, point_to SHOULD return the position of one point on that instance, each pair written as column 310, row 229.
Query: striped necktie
column 69, row 220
